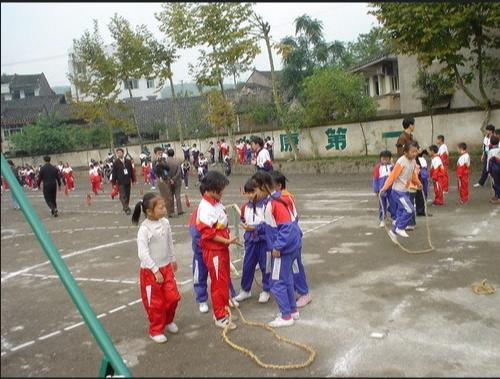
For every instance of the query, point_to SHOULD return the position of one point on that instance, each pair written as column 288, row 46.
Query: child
column 95, row 178
column 227, row 165
column 423, row 176
column 400, row 178
column 212, row 223
column 284, row 239
column 443, row 154
column 202, row 167
column 211, row 152
column 145, row 167
column 152, row 175
column 156, row 252
column 185, row 167
column 380, row 173
column 299, row 274
column 252, row 217
column 68, row 177
column 493, row 168
column 195, row 153
column 437, row 175
column 462, row 173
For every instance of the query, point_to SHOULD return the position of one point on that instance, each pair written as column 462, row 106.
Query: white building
column 142, row 88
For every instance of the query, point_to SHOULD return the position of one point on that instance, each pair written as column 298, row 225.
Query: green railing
column 112, row 362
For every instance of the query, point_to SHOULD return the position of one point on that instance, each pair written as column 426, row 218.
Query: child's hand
column 381, row 192
column 276, row 253
column 174, row 266
column 159, row 277
column 234, row 241
column 248, row 228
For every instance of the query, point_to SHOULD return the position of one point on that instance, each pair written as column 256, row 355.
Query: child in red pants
column 156, row 252
column 462, row 173
column 438, row 176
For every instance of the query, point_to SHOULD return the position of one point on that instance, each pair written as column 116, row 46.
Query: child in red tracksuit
column 443, row 154
column 438, row 176
column 212, row 223
column 462, row 173
column 156, row 252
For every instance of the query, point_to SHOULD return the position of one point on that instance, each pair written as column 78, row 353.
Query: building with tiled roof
column 15, row 87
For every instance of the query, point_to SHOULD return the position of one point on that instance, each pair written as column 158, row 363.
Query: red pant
column 160, row 299
column 217, row 262
column 115, row 190
column 438, row 192
column 96, row 184
column 463, row 188
column 446, row 179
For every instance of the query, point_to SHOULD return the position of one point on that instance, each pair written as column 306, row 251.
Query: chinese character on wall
column 336, row 139
column 285, row 144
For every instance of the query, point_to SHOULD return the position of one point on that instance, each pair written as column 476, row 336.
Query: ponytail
column 146, row 203
column 137, row 213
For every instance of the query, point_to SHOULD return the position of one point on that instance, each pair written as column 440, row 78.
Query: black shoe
column 55, row 213
column 52, row 211
column 180, row 213
column 171, row 216
column 128, row 211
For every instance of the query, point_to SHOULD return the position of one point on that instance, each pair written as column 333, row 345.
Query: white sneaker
column 187, row 187
column 173, row 328
column 233, row 303
column 410, row 227
column 153, row 188
column 243, row 295
column 393, row 236
column 295, row 315
column 382, row 224
column 160, row 338
column 476, row 185
column 223, row 322
column 264, row 297
column 203, row 307
column 402, row 233
column 279, row 322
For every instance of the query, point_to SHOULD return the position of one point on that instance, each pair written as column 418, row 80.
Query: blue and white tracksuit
column 282, row 234
column 255, row 246
column 380, row 175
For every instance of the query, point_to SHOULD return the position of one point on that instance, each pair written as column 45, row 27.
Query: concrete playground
column 376, row 310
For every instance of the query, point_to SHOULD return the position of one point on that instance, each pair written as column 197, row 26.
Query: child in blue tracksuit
column 381, row 172
column 252, row 215
column 284, row 240
column 199, row 269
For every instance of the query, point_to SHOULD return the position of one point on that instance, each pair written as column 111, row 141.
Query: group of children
column 272, row 241
column 402, row 188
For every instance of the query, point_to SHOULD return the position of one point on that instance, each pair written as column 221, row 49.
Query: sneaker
column 233, row 303
column 303, row 300
column 160, row 338
column 279, row 322
column 55, row 212
column 382, row 224
column 223, row 322
column 173, row 328
column 402, row 233
column 153, row 187
column 264, row 297
column 295, row 315
column 410, row 227
column 128, row 211
column 393, row 236
column 187, row 187
column 243, row 295
column 203, row 307
column 477, row 185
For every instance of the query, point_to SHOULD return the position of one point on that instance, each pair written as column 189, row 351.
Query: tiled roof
column 373, row 59
column 22, row 81
column 27, row 110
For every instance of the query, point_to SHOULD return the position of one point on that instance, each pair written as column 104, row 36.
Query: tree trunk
column 111, row 136
column 133, row 116
column 176, row 109
column 238, row 128
column 277, row 103
column 432, row 129
column 313, row 144
column 364, row 138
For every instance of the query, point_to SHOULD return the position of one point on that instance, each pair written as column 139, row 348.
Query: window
column 16, row 94
column 132, row 83
column 151, row 83
column 376, row 85
column 29, row 93
column 395, row 83
column 367, row 87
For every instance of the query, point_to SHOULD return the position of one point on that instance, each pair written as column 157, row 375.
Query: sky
column 33, row 32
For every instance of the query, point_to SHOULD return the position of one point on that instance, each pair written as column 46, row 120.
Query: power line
column 35, row 60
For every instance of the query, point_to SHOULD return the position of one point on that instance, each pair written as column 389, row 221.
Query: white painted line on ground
column 117, row 309
column 74, row 325
column 75, row 253
column 112, row 281
column 129, row 281
column 49, row 335
column 102, row 315
column 23, row 345
column 135, row 302
column 96, row 280
column 322, row 225
column 185, row 282
column 3, row 353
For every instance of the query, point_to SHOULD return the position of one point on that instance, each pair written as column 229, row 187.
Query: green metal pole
column 78, row 298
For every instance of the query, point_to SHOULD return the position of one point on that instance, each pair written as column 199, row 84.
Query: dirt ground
column 376, row 310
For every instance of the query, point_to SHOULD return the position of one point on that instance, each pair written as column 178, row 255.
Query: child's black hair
column 462, row 146
column 46, row 158
column 409, row 145
column 279, row 178
column 434, row 149
column 202, row 188
column 423, row 152
column 264, row 181
column 385, row 154
column 249, row 186
column 214, row 181
column 170, row 152
column 407, row 122
column 494, row 140
column 146, row 203
column 490, row 127
column 440, row 137
column 259, row 141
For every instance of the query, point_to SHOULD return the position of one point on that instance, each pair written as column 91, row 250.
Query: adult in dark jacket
column 170, row 186
column 49, row 176
column 123, row 174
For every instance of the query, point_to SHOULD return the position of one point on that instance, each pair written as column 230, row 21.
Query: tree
column 225, row 32
column 435, row 88
column 96, row 78
column 462, row 37
column 333, row 94
column 131, row 55
column 220, row 111
column 367, row 45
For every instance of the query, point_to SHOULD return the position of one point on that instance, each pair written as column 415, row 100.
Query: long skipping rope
column 428, row 250
column 253, row 356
